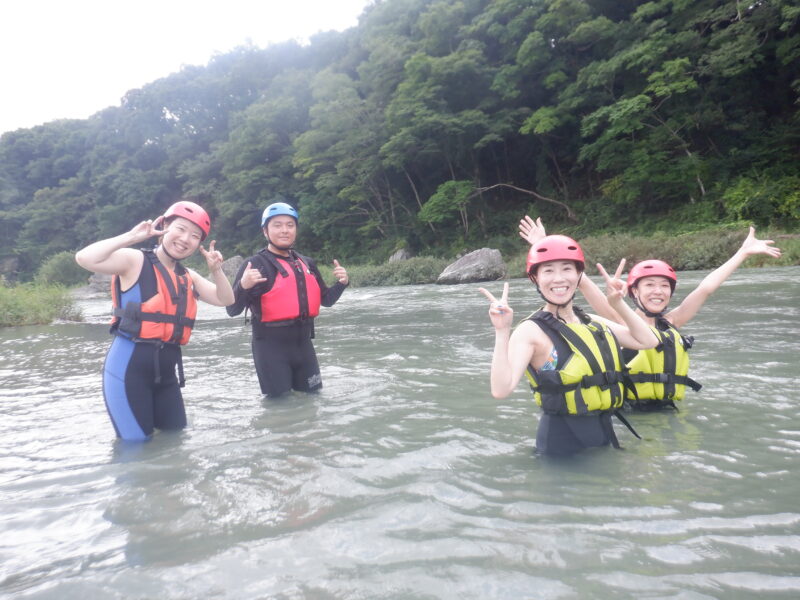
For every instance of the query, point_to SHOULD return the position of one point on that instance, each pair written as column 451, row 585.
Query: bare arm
column 635, row 333
column 597, row 299
column 690, row 306
column 513, row 352
column 113, row 257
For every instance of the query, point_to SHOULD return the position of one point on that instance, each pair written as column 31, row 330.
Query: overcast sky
column 71, row 58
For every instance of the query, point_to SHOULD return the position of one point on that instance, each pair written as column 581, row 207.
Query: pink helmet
column 554, row 247
column 191, row 212
column 651, row 268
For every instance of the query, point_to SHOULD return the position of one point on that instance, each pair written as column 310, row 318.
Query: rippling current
column 403, row 478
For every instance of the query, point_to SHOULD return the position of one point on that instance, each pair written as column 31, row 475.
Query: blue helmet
column 278, row 208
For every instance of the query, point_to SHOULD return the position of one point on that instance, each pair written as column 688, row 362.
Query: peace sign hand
column 251, row 277
column 531, row 231
column 500, row 312
column 213, row 257
column 145, row 230
column 616, row 288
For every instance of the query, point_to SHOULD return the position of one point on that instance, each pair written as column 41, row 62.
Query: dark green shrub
column 61, row 269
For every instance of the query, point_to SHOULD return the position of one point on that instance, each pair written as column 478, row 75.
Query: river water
column 403, row 478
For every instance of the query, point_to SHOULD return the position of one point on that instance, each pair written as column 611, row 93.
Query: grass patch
column 417, row 270
column 35, row 304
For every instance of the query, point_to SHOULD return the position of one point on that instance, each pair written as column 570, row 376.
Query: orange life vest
column 168, row 311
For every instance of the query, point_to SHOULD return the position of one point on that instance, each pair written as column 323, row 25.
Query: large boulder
column 485, row 264
column 231, row 266
column 100, row 283
column 402, row 254
column 97, row 286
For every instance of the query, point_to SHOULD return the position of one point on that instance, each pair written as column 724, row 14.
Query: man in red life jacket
column 284, row 292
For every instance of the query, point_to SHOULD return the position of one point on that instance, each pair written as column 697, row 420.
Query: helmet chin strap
column 164, row 250
column 652, row 315
column 273, row 244
column 558, row 306
column 661, row 321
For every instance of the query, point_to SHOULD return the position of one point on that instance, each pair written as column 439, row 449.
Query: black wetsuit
column 283, row 352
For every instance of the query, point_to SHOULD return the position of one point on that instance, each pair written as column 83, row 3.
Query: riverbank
column 700, row 250
column 29, row 304
column 36, row 304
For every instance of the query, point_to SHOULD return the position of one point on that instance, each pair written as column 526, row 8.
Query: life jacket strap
column 627, row 424
column 666, row 379
column 603, row 380
column 134, row 312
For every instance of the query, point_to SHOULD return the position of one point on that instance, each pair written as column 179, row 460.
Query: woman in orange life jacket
column 660, row 375
column 284, row 291
column 155, row 305
column 572, row 359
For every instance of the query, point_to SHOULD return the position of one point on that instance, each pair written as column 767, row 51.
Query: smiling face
column 653, row 293
column 281, row 231
column 558, row 280
column 181, row 238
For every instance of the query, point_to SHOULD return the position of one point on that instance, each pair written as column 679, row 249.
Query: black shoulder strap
column 546, row 319
column 267, row 258
column 173, row 292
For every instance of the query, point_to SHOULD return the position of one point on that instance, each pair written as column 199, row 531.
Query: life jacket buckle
column 662, row 378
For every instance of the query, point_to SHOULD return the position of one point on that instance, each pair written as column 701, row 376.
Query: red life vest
column 295, row 294
column 170, row 309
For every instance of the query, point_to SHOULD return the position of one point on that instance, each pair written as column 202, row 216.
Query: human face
column 182, row 238
column 281, row 231
column 558, row 280
column 653, row 293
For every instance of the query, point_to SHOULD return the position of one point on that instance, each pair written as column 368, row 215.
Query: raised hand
column 146, row 229
column 752, row 246
column 616, row 288
column 213, row 257
column 251, row 277
column 531, row 231
column 340, row 273
column 500, row 312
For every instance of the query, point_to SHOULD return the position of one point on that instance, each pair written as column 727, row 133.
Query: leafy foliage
column 635, row 115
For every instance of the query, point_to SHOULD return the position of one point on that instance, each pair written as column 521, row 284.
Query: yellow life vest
column 591, row 379
column 660, row 374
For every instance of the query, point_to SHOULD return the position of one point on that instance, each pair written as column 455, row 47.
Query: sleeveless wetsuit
column 140, row 386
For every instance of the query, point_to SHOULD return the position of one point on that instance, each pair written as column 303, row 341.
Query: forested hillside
column 433, row 125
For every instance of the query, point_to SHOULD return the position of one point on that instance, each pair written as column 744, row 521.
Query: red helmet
column 651, row 268
column 191, row 212
column 554, row 247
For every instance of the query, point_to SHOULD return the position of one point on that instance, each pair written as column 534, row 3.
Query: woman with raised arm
column 154, row 302
column 660, row 375
column 572, row 360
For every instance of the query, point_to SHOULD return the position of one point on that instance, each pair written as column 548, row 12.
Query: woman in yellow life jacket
column 154, row 307
column 660, row 374
column 572, row 359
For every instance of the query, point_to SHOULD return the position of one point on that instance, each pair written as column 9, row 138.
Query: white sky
column 71, row 58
